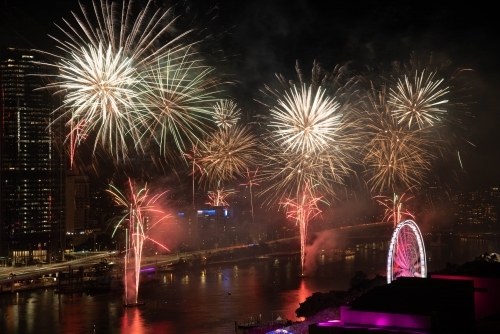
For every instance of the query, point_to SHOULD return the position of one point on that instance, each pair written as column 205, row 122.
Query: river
column 210, row 300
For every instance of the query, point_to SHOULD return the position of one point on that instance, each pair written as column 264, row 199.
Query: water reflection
column 197, row 301
column 132, row 322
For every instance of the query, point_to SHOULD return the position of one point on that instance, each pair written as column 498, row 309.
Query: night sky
column 262, row 37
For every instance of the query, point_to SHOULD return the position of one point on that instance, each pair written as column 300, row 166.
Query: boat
column 348, row 252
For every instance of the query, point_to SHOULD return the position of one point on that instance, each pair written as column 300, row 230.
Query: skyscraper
column 31, row 188
column 77, row 202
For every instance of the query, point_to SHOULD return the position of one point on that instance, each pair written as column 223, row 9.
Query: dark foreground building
column 408, row 305
column 31, row 188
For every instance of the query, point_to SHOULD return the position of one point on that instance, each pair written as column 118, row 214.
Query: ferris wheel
column 406, row 252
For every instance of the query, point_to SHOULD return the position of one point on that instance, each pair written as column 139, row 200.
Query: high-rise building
column 77, row 203
column 477, row 210
column 31, row 173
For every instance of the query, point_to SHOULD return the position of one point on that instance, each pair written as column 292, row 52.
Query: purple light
column 382, row 319
column 331, row 323
column 147, row 269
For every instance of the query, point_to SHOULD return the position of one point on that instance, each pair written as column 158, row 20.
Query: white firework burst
column 226, row 113
column 113, row 60
column 101, row 93
column 305, row 120
column 420, row 101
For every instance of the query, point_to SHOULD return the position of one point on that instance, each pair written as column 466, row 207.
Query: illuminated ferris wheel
column 406, row 252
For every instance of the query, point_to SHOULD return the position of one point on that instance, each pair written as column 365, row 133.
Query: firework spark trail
column 394, row 209
column 226, row 154
column 192, row 157
column 395, row 156
column 460, row 160
column 218, row 197
column 139, row 203
column 76, row 138
column 100, row 95
column 302, row 210
column 226, row 113
column 421, row 101
column 250, row 177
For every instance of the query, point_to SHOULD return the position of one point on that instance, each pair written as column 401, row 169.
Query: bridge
column 45, row 275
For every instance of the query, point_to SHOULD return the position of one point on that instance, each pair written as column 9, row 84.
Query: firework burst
column 394, row 155
column 226, row 154
column 100, row 96
column 309, row 143
column 306, row 121
column 176, row 98
column 127, row 78
column 420, row 101
column 226, row 113
column 312, row 134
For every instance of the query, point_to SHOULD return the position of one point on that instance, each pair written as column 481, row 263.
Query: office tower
column 77, row 202
column 31, row 172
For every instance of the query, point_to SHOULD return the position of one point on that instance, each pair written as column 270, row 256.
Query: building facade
column 477, row 211
column 77, row 203
column 31, row 173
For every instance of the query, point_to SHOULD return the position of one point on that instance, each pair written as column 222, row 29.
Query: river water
column 210, row 300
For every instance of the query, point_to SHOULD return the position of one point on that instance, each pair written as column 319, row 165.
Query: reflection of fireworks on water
column 226, row 113
column 139, row 204
column 218, row 197
column 394, row 209
column 420, row 101
column 394, row 155
column 302, row 210
column 226, row 154
column 250, row 178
